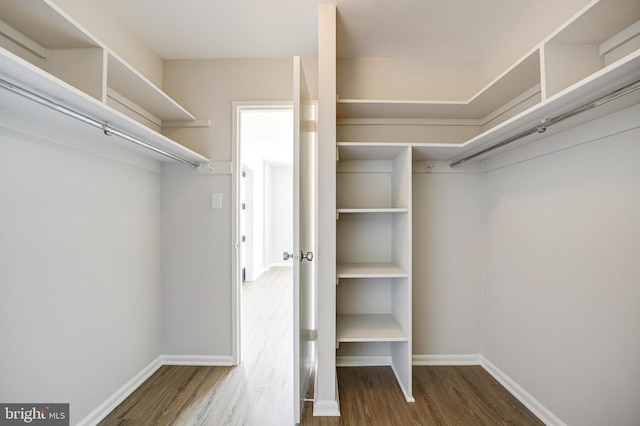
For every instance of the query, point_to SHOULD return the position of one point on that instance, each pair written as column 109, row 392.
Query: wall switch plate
column 216, row 201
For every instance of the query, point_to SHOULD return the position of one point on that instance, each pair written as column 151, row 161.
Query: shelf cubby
column 372, row 176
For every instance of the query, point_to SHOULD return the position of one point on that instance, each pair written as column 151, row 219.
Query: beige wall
column 407, row 78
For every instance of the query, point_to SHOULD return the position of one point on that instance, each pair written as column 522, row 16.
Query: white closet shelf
column 369, row 328
column 46, row 24
column 373, row 210
column 125, row 80
column 523, row 75
column 370, row 270
column 591, row 55
column 600, row 83
column 19, row 72
column 616, row 75
column 42, row 33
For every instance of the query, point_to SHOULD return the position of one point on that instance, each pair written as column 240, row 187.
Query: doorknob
column 286, row 256
column 308, row 256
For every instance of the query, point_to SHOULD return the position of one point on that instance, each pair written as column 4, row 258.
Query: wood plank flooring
column 259, row 391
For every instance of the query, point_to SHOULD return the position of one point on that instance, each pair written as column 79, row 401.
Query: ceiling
column 438, row 29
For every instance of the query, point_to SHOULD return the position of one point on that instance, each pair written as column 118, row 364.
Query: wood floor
column 259, row 391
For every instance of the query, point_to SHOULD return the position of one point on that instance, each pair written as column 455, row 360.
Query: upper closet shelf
column 602, row 82
column 125, row 80
column 524, row 75
column 44, row 23
column 21, row 73
column 370, row 270
column 45, row 51
column 46, row 36
column 589, row 57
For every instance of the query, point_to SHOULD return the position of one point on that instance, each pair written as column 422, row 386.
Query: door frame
column 236, row 272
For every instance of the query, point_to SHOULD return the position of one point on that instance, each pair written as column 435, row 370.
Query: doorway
column 262, row 209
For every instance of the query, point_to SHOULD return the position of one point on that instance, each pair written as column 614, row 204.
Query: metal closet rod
column 546, row 123
column 104, row 126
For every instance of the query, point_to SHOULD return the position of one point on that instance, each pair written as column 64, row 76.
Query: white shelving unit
column 374, row 256
column 593, row 53
column 45, row 51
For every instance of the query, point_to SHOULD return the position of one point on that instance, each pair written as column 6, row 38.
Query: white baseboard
column 121, row 394
column 456, row 359
column 539, row 410
column 198, row 360
column 328, row 408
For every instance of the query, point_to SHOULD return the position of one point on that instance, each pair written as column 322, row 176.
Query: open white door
column 304, row 238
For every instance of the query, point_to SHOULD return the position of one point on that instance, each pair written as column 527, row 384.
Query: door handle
column 308, row 256
column 286, row 256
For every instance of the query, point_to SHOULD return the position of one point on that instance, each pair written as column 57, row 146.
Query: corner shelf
column 592, row 54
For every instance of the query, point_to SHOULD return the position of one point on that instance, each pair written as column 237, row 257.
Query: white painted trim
column 539, row 410
column 198, row 360
column 453, row 359
column 121, row 394
column 410, row 122
column 326, row 409
column 408, row 394
column 363, row 361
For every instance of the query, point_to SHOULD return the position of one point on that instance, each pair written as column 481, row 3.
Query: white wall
column 281, row 200
column 194, row 322
column 561, row 311
column 79, row 266
column 447, row 245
